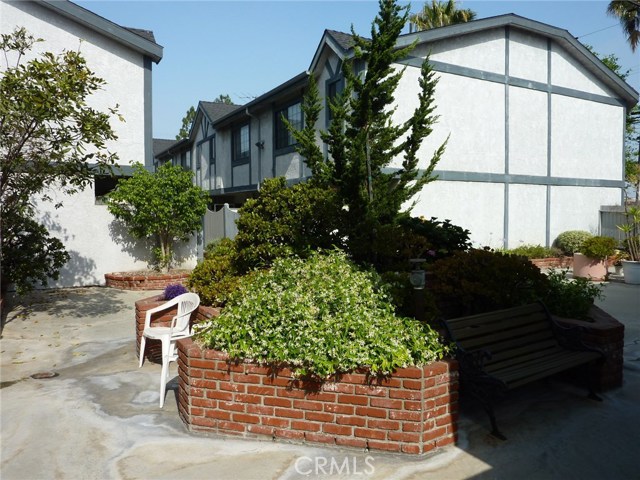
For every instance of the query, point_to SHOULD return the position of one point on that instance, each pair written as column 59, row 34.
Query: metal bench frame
column 501, row 350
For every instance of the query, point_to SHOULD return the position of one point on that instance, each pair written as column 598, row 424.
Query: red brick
column 436, row 368
column 219, row 414
column 390, row 382
column 446, row 399
column 409, row 372
column 275, row 422
column 412, row 384
column 306, row 426
column 197, row 412
column 288, row 413
column 337, row 429
column 292, row 434
column 283, row 392
column 215, row 355
column 436, row 391
column 218, row 395
column 206, row 364
column 231, row 406
column 196, row 392
column 200, row 383
column 216, row 375
column 203, row 402
column 244, row 398
column 371, row 412
column 350, row 420
column 404, row 415
column 204, row 422
column 351, row 442
column 353, row 399
column 389, row 446
column 434, row 434
column 352, row 378
column 337, row 387
column 386, row 403
column 320, row 438
column 444, row 420
column 256, row 390
column 371, row 391
column 232, row 426
column 368, row 433
column 229, row 367
column 404, row 437
column 443, row 442
column 243, row 378
column 305, row 405
column 260, row 429
column 260, row 409
column 258, row 369
column 319, row 416
column 277, row 402
column 321, row 396
column 196, row 372
column 406, row 394
column 414, row 449
column 231, row 387
column 337, row 408
column 276, row 381
column 411, row 427
column 244, row 418
column 409, row 405
column 383, row 424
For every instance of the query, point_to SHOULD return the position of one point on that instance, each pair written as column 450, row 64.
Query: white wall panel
column 567, row 72
column 527, row 56
column 527, row 131
column 527, row 215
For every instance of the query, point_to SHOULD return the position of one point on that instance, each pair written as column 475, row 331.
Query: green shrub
column 569, row 242
column 479, row 281
column 216, row 277
column 284, row 221
column 598, row 247
column 570, row 298
column 444, row 237
column 321, row 316
column 534, row 251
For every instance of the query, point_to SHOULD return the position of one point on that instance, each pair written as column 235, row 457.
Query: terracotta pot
column 591, row 268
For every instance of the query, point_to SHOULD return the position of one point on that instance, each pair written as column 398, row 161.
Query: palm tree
column 628, row 12
column 439, row 13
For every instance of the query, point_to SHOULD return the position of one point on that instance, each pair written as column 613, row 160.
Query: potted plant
column 591, row 260
column 631, row 267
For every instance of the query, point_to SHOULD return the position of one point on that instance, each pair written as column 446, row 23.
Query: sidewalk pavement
column 99, row 417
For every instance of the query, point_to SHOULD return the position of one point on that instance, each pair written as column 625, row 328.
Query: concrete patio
column 99, row 417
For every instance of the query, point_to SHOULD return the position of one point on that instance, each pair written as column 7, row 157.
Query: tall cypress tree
column 362, row 138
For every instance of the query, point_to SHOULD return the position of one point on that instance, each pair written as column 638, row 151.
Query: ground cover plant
column 319, row 316
column 534, row 251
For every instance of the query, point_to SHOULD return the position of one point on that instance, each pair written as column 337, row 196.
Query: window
column 104, row 185
column 334, row 88
column 185, row 160
column 241, row 143
column 293, row 113
column 212, row 151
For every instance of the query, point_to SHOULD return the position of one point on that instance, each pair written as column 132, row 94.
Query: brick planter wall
column 153, row 348
column 607, row 335
column 553, row 262
column 154, row 281
column 414, row 411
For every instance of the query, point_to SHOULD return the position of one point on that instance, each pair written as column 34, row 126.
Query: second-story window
column 241, row 144
column 293, row 113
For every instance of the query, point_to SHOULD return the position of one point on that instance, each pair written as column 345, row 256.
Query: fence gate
column 220, row 224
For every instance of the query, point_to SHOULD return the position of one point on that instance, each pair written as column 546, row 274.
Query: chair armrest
column 159, row 308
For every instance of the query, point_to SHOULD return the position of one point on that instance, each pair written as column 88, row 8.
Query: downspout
column 260, row 145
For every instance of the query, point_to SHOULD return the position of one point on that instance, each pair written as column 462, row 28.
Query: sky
column 246, row 48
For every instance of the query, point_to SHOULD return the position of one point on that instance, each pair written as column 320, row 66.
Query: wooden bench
column 504, row 349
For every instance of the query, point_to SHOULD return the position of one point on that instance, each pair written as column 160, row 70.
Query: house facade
column 535, row 125
column 124, row 59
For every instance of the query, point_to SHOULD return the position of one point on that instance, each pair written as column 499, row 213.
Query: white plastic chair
column 180, row 328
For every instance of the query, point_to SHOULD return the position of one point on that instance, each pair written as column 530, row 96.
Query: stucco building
column 124, row 58
column 536, row 125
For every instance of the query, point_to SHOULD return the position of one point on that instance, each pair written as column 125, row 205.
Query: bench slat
column 496, row 315
column 489, row 340
column 521, row 356
column 533, row 345
column 503, row 324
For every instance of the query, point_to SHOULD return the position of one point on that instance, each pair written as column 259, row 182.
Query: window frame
column 280, row 127
column 236, row 137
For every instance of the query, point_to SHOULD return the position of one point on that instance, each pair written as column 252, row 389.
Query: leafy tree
column 439, row 14
column 164, row 205
column 628, row 12
column 187, row 121
column 363, row 139
column 48, row 136
column 223, row 98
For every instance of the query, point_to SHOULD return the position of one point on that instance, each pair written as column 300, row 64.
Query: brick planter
column 414, row 411
column 553, row 262
column 606, row 334
column 138, row 281
column 162, row 319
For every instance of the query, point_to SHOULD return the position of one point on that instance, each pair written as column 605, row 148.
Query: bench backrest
column 514, row 332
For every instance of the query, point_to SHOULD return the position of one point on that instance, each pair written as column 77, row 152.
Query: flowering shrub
column 173, row 291
column 571, row 241
column 321, row 316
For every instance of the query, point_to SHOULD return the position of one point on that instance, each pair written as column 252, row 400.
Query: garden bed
column 553, row 262
column 413, row 411
column 145, row 280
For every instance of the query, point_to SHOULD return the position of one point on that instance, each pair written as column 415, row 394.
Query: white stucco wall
column 85, row 228
column 528, row 128
column 527, row 56
column 527, row 215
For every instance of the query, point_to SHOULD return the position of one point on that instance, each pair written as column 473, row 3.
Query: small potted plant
column 591, row 259
column 631, row 267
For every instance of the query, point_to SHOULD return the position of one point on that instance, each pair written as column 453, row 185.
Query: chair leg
column 165, row 369
column 143, row 341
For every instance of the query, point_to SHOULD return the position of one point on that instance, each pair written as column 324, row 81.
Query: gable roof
column 141, row 41
column 162, row 144
column 341, row 43
column 216, row 110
